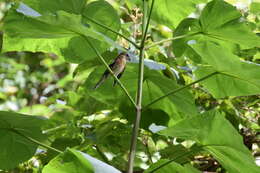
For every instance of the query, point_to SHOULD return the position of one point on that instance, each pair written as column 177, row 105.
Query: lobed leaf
column 218, row 137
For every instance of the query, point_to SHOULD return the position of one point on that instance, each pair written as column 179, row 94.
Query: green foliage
column 218, row 137
column 236, row 78
column 165, row 9
column 69, row 161
column 15, row 129
column 171, row 168
column 200, row 89
column 59, row 29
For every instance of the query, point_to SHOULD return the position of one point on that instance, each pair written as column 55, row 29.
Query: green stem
column 63, row 126
column 35, row 141
column 170, row 39
column 145, row 26
column 111, row 72
column 179, row 89
column 115, row 32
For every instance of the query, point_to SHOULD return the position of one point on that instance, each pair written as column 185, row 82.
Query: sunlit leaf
column 236, row 78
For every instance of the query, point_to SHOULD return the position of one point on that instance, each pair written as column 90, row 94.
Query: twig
column 35, row 141
column 170, row 39
column 63, row 126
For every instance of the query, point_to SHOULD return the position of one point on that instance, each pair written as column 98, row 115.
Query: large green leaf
column 219, row 138
column 170, row 168
column 170, row 13
column 227, row 28
column 61, row 32
column 14, row 146
column 155, row 85
column 71, row 161
column 236, row 78
column 43, row 6
column 99, row 10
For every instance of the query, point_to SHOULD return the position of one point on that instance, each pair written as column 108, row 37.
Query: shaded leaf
column 218, row 137
column 170, row 168
column 14, row 147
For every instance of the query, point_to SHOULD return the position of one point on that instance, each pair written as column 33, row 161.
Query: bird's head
column 125, row 55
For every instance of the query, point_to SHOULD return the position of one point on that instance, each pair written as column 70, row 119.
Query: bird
column 118, row 67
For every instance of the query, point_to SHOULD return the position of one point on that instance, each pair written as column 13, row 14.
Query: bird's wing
column 118, row 76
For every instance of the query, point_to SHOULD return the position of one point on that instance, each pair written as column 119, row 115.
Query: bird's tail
column 103, row 78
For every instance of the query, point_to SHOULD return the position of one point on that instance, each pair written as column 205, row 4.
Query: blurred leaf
column 255, row 7
column 219, row 138
column 36, row 109
column 61, row 144
column 14, row 147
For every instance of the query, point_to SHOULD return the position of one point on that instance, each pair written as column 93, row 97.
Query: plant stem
column 145, row 26
column 179, row 89
column 170, row 39
column 111, row 72
column 35, row 141
column 63, row 126
column 108, row 28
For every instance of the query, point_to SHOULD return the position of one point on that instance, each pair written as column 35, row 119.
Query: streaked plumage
column 118, row 67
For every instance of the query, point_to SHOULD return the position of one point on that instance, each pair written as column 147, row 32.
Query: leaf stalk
column 180, row 89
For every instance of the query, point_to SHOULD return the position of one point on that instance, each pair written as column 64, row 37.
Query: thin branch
column 35, row 141
column 146, row 25
column 111, row 72
column 170, row 39
column 115, row 32
column 179, row 89
column 140, row 87
column 63, row 126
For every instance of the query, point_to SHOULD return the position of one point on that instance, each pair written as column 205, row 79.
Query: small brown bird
column 118, row 67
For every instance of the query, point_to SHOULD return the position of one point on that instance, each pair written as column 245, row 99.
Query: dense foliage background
column 48, row 69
